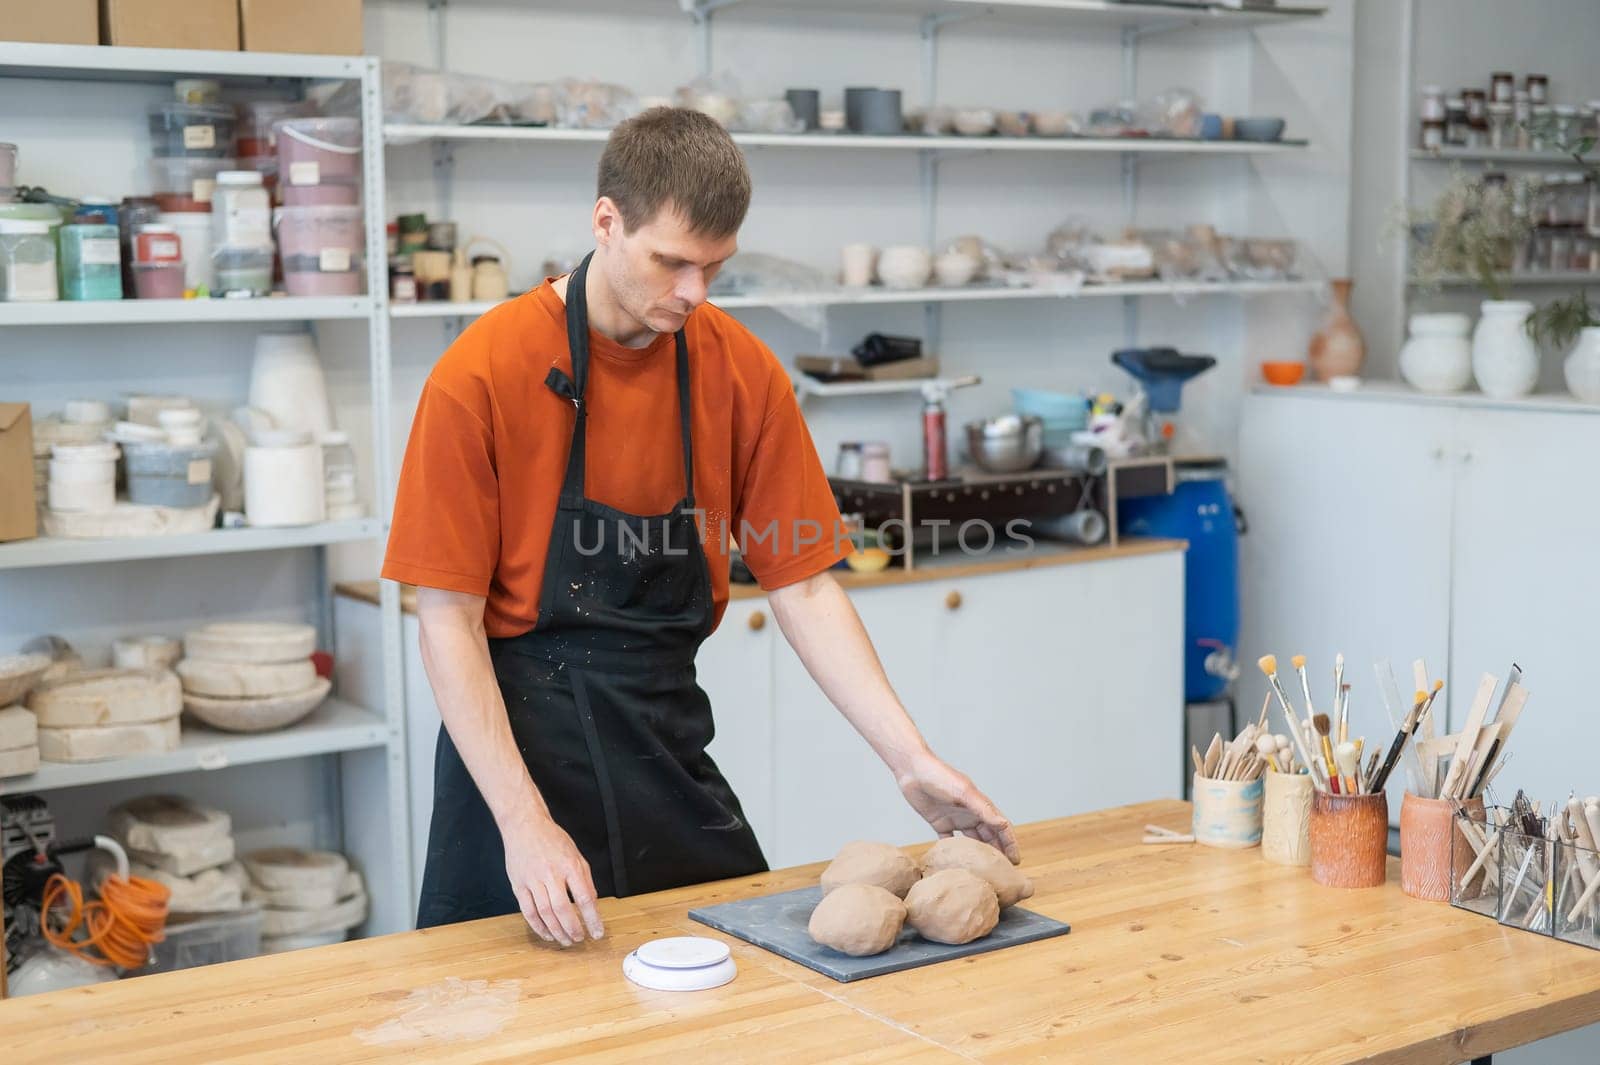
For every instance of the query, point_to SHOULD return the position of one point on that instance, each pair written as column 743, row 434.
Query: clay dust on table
column 451, row 1011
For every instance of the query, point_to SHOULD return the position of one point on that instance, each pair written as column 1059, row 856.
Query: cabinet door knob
column 952, row 600
column 758, row 621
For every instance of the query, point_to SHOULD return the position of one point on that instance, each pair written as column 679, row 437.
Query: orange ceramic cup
column 1349, row 839
column 1427, row 834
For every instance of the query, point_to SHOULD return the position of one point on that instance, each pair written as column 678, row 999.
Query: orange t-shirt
column 488, row 450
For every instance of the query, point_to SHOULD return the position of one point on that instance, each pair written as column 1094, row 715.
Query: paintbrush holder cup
column 1286, row 818
column 1227, row 813
column 1475, row 864
column 1428, row 841
column 1525, row 870
column 1349, row 840
column 1577, row 896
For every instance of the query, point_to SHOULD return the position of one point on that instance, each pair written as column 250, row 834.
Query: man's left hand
column 952, row 803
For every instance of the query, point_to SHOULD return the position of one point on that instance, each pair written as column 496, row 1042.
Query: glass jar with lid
column 1502, row 127
column 1455, row 122
column 875, row 462
column 27, row 261
column 1566, row 126
column 241, row 212
column 1538, row 89
column 1502, row 85
column 340, row 495
column 1477, row 102
column 848, row 465
column 1539, row 128
column 1432, row 107
column 1521, row 115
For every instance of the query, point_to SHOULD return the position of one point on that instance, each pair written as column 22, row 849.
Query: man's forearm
column 455, row 653
column 822, row 626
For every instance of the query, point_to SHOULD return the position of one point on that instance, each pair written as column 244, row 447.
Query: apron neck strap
column 578, row 345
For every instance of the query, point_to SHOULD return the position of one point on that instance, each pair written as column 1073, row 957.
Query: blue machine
column 1201, row 512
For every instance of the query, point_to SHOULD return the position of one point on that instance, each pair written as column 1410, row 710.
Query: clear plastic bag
column 1113, row 119
column 593, row 104
column 768, row 116
column 715, row 95
column 1173, row 113
column 752, row 273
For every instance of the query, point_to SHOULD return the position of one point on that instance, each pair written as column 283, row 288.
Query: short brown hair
column 678, row 157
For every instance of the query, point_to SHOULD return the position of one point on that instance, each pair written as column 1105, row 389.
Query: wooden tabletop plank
column 1176, row 953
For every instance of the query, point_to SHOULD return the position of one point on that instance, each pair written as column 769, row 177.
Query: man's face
column 659, row 271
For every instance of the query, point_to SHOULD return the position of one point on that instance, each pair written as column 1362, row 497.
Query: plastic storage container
column 1200, row 511
column 207, row 940
column 134, row 213
column 187, row 184
column 315, row 152
column 322, row 250
column 257, row 119
column 242, row 271
column 164, row 475
column 27, row 261
column 241, row 214
column 83, row 477
column 90, row 262
column 202, row 131
column 194, row 230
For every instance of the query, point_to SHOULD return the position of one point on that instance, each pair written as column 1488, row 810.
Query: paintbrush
column 1305, row 683
column 1370, row 776
column 1349, row 761
column 1413, row 719
column 1338, row 694
column 1321, row 724
column 1269, row 666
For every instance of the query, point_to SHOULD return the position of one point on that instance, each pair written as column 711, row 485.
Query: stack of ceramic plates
column 250, row 677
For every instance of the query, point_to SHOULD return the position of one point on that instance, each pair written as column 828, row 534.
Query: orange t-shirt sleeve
column 446, row 528
column 786, row 520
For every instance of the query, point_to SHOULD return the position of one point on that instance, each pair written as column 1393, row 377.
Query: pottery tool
column 1505, row 716
column 1591, row 815
column 1339, row 695
column 1267, row 747
column 1349, row 760
column 1269, row 665
column 1266, row 704
column 1370, row 775
column 1409, row 729
column 1320, row 723
column 1213, row 758
column 1469, row 734
column 1160, row 836
column 1488, row 852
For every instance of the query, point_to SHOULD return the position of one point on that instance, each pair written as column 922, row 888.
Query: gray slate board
column 778, row 923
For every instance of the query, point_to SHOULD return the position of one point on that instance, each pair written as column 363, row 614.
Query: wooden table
column 1177, row 954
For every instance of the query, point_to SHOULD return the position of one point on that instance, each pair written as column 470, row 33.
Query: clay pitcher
column 1337, row 349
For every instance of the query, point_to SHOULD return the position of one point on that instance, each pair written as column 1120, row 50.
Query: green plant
column 1470, row 229
column 1548, row 129
column 1557, row 324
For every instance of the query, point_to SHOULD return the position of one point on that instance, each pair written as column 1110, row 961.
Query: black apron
column 602, row 700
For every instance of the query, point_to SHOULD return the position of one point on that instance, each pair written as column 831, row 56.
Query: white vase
column 1438, row 356
column 1583, row 366
column 286, row 381
column 1504, row 358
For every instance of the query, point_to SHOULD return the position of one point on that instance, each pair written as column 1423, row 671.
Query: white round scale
column 680, row 963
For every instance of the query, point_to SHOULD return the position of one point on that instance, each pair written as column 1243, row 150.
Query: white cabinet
column 1459, row 531
column 735, row 669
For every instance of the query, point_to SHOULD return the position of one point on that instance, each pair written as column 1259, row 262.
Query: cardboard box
column 54, row 22
column 18, row 517
column 208, row 24
column 847, row 368
column 325, row 27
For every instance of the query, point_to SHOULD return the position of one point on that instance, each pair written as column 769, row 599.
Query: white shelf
column 334, row 726
column 969, row 294
column 810, row 386
column 401, row 134
column 1400, row 392
column 160, row 312
column 49, row 551
column 1495, row 155
column 105, row 63
column 1105, row 13
column 1551, row 278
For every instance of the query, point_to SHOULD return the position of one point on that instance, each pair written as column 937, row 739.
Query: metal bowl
column 1006, row 445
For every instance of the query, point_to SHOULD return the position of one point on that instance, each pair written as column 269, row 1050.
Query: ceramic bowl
column 1055, row 123
column 1258, row 129
column 868, row 560
column 975, row 122
column 831, row 120
column 955, row 268
column 1283, row 373
column 904, row 266
column 1014, row 123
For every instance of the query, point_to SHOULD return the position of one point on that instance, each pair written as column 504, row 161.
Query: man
column 575, row 458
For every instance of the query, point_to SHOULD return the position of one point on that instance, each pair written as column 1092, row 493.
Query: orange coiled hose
column 129, row 916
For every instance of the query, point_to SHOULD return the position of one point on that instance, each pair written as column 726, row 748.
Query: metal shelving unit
column 1132, row 21
column 368, row 741
column 1500, row 156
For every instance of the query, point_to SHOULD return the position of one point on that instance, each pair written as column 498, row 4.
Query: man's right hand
column 551, row 880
